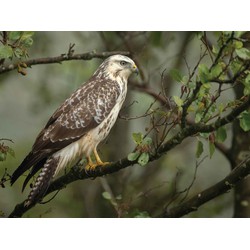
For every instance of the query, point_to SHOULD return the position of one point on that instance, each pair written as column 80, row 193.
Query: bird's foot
column 90, row 167
column 101, row 163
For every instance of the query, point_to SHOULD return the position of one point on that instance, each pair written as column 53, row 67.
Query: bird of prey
column 78, row 126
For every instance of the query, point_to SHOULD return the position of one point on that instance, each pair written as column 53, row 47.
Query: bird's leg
column 98, row 159
column 90, row 165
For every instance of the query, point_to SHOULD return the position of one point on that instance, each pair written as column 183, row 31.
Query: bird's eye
column 123, row 63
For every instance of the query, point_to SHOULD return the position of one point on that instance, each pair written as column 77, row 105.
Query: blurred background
column 27, row 102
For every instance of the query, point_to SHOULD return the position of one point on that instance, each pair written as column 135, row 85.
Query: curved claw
column 90, row 167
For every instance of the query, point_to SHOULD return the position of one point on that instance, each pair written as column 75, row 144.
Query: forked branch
column 78, row 173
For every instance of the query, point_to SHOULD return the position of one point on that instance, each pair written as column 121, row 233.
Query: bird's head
column 118, row 66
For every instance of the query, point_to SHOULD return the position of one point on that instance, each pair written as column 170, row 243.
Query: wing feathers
column 30, row 159
column 83, row 111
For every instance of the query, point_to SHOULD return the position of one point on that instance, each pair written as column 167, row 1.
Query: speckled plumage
column 78, row 125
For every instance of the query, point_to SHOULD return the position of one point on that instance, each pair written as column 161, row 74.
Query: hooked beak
column 135, row 69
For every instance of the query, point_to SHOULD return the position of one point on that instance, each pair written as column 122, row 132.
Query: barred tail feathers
column 30, row 159
column 42, row 181
column 67, row 156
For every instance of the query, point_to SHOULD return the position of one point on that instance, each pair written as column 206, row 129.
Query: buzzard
column 78, row 126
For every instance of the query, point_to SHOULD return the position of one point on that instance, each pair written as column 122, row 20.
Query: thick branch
column 219, row 188
column 61, row 58
column 75, row 173
column 79, row 174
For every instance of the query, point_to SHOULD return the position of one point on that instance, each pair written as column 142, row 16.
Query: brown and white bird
column 78, row 126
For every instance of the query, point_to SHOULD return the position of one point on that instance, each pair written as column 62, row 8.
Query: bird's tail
column 42, row 181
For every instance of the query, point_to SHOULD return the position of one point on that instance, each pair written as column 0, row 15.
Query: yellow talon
column 98, row 159
column 91, row 165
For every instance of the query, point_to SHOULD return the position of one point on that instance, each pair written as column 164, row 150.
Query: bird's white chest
column 101, row 131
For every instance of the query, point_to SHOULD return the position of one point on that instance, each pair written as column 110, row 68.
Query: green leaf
column 18, row 52
column 185, row 80
column 106, row 195
column 206, row 86
column 28, row 42
column 245, row 121
column 205, row 135
column 137, row 137
column 216, row 70
column 176, row 75
column 27, row 34
column 238, row 34
column 221, row 107
column 143, row 159
column 221, row 134
column 238, row 44
column 133, row 156
column 211, row 149
column 5, row 51
column 198, row 117
column 215, row 49
column 236, row 66
column 178, row 101
column 15, row 35
column 192, row 85
column 26, row 38
column 247, row 85
column 199, row 149
column 147, row 141
column 243, row 53
column 203, row 73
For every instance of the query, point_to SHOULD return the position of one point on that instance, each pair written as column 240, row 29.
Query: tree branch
column 76, row 173
column 142, row 87
column 61, row 58
column 238, row 173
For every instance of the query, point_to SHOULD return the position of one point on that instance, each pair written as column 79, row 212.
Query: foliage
column 208, row 96
column 15, row 44
column 5, row 150
column 204, row 87
column 142, row 151
column 245, row 121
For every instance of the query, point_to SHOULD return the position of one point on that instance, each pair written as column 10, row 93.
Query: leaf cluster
column 202, row 88
column 15, row 45
column 4, row 151
column 143, row 148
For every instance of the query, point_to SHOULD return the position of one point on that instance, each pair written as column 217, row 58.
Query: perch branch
column 61, row 58
column 221, row 187
column 76, row 173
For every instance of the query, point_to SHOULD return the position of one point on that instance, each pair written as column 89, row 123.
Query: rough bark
column 240, row 150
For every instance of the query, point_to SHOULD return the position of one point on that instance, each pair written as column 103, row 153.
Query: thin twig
column 187, row 190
